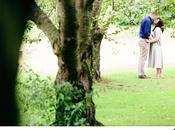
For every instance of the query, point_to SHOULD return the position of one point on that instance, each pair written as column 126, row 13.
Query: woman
column 155, row 54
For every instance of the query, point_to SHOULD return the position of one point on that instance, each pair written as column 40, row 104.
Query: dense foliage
column 71, row 106
column 36, row 98
column 126, row 13
column 39, row 100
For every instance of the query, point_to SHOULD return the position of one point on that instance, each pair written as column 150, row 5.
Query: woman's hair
column 160, row 24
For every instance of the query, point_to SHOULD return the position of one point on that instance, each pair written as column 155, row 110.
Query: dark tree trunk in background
column 14, row 14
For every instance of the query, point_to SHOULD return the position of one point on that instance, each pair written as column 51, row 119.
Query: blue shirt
column 145, row 27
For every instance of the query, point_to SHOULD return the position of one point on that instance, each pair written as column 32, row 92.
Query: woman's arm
column 158, row 33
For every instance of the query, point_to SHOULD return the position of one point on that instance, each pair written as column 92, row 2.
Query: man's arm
column 157, row 37
column 147, row 29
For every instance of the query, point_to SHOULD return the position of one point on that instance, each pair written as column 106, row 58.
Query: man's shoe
column 142, row 76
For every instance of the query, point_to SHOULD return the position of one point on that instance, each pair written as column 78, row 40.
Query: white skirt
column 155, row 56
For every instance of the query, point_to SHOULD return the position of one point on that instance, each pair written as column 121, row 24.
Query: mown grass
column 123, row 100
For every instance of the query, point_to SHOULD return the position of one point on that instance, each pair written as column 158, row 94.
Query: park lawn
column 122, row 99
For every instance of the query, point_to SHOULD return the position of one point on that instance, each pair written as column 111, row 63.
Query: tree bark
column 97, row 37
column 96, row 40
column 76, row 48
column 74, row 45
column 45, row 24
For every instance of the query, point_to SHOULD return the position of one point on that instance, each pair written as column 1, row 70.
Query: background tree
column 73, row 45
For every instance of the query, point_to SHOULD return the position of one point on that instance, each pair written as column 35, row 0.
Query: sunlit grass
column 123, row 100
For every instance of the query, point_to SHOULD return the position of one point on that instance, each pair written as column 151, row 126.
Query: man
column 145, row 32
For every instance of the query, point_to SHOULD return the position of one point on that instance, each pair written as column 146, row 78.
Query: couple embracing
column 150, row 44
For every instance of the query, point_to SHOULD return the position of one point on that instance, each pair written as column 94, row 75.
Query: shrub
column 71, row 105
column 36, row 98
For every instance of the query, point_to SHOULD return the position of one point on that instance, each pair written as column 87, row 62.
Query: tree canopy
column 125, row 13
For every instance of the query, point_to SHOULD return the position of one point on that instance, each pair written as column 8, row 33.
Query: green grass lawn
column 123, row 100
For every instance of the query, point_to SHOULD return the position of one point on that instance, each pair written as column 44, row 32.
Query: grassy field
column 123, row 100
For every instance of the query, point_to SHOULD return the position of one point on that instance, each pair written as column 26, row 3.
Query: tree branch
column 97, row 4
column 45, row 24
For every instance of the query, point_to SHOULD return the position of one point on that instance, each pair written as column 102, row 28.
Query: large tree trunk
column 14, row 14
column 74, row 47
